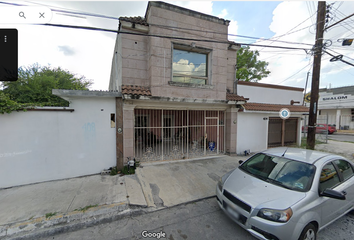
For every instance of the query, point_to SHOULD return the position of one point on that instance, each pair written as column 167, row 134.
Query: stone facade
column 144, row 57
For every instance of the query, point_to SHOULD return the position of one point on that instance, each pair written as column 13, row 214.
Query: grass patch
column 114, row 171
column 49, row 215
column 304, row 142
column 125, row 171
column 84, row 209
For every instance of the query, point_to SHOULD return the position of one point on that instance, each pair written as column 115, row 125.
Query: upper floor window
column 190, row 64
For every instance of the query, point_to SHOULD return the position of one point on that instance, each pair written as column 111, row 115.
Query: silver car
column 287, row 193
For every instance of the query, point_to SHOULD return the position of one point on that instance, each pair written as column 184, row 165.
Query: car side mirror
column 240, row 162
column 333, row 194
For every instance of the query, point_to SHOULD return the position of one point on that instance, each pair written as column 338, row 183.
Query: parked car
column 322, row 128
column 287, row 193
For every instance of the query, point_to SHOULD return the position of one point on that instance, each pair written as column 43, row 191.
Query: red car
column 322, row 128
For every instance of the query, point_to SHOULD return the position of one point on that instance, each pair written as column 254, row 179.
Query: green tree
column 248, row 68
column 34, row 87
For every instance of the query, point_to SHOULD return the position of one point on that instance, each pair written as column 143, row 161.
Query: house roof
column 136, row 90
column 266, row 85
column 145, row 91
column 137, row 20
column 266, row 107
column 185, row 11
column 234, row 97
column 339, row 90
column 85, row 93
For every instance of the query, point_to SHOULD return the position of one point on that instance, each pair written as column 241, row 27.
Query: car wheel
column 309, row 233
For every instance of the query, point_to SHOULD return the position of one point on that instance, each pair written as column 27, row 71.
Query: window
column 345, row 168
column 329, row 177
column 283, row 172
column 190, row 64
column 352, row 115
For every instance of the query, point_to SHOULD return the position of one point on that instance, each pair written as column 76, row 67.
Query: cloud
column 68, row 51
column 82, row 52
column 183, row 67
column 285, row 65
column 200, row 70
column 233, row 27
column 223, row 13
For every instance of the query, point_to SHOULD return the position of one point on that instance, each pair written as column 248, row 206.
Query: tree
column 248, row 68
column 34, row 87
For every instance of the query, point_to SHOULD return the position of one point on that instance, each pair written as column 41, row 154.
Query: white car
column 287, row 193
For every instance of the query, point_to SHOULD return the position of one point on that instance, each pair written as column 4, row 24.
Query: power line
column 295, row 73
column 162, row 36
column 162, row 26
column 289, row 32
column 339, row 53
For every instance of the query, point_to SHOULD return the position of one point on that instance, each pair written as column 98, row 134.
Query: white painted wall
column 38, row 146
column 252, row 132
column 269, row 95
column 335, row 101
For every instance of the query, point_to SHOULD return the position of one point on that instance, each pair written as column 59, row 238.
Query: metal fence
column 321, row 130
column 162, row 134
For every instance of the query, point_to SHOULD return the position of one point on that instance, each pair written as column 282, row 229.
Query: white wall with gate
column 37, row 146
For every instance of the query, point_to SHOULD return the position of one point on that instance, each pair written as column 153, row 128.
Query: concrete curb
column 43, row 227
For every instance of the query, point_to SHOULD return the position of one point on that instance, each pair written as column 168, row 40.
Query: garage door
column 282, row 132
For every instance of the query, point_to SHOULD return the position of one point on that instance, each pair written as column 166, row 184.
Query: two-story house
column 173, row 68
column 176, row 71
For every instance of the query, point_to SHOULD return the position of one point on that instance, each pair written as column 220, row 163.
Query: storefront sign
column 335, row 98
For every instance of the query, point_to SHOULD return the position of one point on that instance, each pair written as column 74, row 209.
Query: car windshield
column 280, row 171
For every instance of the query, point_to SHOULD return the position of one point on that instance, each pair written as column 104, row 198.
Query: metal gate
column 282, row 132
column 161, row 134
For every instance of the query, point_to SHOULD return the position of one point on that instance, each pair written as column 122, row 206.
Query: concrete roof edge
column 85, row 93
column 186, row 11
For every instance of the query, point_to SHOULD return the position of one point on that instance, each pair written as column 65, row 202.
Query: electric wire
column 295, row 73
column 162, row 36
column 162, row 26
column 341, row 54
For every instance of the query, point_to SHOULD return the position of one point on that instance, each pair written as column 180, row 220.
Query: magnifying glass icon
column 22, row 14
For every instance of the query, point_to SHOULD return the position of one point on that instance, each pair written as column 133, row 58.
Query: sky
column 89, row 53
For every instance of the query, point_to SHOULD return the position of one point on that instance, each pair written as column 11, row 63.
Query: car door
column 346, row 172
column 332, row 178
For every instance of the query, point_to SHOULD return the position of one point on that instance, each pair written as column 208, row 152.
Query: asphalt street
column 198, row 220
column 341, row 137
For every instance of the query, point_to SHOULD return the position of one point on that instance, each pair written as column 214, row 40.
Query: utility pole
column 311, row 130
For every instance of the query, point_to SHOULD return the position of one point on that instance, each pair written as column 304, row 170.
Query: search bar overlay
column 25, row 14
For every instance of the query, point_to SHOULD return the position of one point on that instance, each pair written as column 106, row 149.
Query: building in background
column 338, row 104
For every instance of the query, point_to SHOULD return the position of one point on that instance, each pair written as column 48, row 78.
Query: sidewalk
column 43, row 209
column 349, row 132
column 345, row 149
